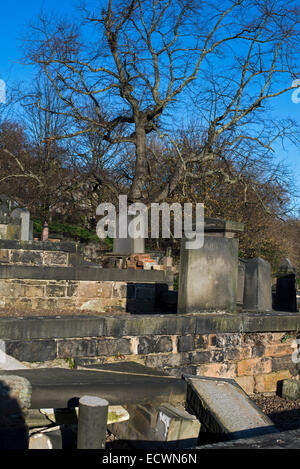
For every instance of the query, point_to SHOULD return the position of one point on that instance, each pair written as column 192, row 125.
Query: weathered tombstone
column 24, row 215
column 257, row 287
column 208, row 276
column 286, row 288
column 241, row 283
column 128, row 245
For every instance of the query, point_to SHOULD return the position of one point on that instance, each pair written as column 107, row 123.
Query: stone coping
column 88, row 273
column 27, row 328
column 65, row 246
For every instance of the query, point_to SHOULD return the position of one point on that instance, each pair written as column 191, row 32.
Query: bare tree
column 142, row 56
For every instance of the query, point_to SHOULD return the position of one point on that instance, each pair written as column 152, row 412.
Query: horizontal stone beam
column 136, row 325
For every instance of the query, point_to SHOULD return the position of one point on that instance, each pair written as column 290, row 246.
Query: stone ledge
column 141, row 325
column 64, row 246
column 83, row 273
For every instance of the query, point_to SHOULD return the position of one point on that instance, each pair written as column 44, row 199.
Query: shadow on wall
column 13, row 429
column 145, row 298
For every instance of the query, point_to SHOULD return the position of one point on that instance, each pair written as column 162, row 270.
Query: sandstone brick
column 228, row 340
column 88, row 289
column 197, row 357
column 268, row 382
column 4, row 256
column 26, row 257
column 7, row 288
column 201, row 341
column 185, row 343
column 55, row 291
column 284, row 363
column 238, row 353
column 218, row 370
column 119, row 290
column 279, row 350
column 43, row 303
column 33, row 291
column 105, row 289
column 247, row 383
column 154, row 344
column 254, row 366
column 72, row 288
column 167, row 360
column 56, row 258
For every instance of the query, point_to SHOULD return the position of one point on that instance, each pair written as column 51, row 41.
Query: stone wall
column 254, row 349
column 106, row 296
column 54, row 276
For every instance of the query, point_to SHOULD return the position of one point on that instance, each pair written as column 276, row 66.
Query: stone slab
column 257, row 285
column 225, row 409
column 208, row 276
column 61, row 388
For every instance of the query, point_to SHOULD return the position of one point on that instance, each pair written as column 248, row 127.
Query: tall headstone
column 286, row 288
column 128, row 245
column 257, row 286
column 26, row 229
column 208, row 275
column 241, row 283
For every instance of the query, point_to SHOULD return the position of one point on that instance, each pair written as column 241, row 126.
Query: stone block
column 284, row 363
column 32, row 350
column 56, row 258
column 88, row 289
column 290, row 389
column 72, row 348
column 185, row 343
column 55, row 291
column 208, row 276
column 154, row 344
column 26, row 257
column 33, row 291
column 258, row 289
column 253, row 366
column 247, row 383
column 269, row 382
column 218, row 370
column 176, row 427
column 4, row 256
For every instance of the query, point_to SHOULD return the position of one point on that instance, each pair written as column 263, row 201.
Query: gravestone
column 128, row 245
column 208, row 275
column 26, row 233
column 241, row 283
column 286, row 288
column 257, row 287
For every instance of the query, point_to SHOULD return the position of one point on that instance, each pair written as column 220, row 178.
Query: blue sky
column 14, row 22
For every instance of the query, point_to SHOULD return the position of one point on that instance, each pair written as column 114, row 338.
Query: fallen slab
column 224, row 409
column 62, row 388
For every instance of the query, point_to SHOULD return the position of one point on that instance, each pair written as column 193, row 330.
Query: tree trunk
column 136, row 192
